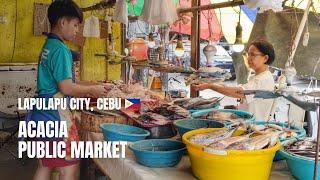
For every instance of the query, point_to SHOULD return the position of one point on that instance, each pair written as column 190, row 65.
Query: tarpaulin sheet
column 280, row 28
column 208, row 20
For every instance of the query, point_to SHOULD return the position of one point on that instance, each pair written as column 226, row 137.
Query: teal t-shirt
column 54, row 66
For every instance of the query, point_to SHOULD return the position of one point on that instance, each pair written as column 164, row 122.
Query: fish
column 223, row 144
column 192, row 102
column 171, row 112
column 256, row 142
column 274, row 128
column 197, row 103
column 209, row 138
column 220, row 115
column 306, row 148
column 179, row 110
column 154, row 118
column 257, row 127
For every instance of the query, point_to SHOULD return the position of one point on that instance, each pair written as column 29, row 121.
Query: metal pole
column 315, row 171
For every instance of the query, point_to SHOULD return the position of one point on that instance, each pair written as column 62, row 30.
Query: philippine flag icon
column 132, row 103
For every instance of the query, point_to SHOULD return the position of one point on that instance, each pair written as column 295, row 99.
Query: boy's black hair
column 63, row 8
column 266, row 48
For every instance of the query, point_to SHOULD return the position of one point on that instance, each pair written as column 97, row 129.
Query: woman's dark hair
column 266, row 48
column 63, row 8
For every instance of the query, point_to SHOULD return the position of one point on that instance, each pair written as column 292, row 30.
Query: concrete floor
column 12, row 168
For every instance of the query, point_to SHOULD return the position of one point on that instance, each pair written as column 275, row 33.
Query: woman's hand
column 199, row 86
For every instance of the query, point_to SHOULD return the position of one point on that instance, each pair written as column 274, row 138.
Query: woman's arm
column 235, row 92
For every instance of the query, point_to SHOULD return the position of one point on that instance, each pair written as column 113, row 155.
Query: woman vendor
column 260, row 55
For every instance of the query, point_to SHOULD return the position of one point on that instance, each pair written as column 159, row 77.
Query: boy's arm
column 67, row 87
column 86, row 83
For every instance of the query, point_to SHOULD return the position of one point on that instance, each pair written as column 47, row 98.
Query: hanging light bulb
column 238, row 45
column 179, row 51
column 133, row 2
column 209, row 51
column 151, row 42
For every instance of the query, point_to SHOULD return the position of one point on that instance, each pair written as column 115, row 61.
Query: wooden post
column 195, row 44
column 198, row 8
column 299, row 33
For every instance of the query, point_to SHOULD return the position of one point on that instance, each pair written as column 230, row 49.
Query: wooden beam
column 101, row 5
column 195, row 8
column 195, row 41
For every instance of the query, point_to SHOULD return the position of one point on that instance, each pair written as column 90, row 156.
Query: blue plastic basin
column 242, row 114
column 185, row 125
column 158, row 152
column 208, row 109
column 122, row 132
column 300, row 167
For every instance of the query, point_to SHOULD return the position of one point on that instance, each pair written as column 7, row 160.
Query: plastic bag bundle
column 264, row 5
column 91, row 27
column 159, row 12
column 121, row 12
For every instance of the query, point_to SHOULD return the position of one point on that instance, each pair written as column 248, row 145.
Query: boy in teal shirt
column 55, row 79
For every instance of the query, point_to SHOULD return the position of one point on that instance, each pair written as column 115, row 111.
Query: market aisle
column 12, row 169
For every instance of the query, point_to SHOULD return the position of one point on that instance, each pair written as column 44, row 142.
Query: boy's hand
column 98, row 91
column 108, row 86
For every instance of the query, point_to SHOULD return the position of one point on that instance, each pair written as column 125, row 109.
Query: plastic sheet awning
column 221, row 21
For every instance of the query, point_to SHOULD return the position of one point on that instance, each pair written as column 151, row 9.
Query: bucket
column 236, row 164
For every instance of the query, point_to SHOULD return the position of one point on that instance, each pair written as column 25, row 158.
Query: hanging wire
column 239, row 14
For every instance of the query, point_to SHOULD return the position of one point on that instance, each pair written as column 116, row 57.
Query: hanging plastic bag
column 264, row 5
column 121, row 12
column 159, row 12
column 91, row 27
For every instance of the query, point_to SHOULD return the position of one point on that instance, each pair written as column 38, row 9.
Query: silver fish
column 179, row 110
column 257, row 142
column 209, row 138
column 223, row 144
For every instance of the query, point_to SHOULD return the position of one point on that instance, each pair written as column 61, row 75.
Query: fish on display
column 224, row 143
column 209, row 138
column 256, row 142
column 197, row 103
column 220, row 115
column 153, row 118
column 306, row 148
column 268, row 128
column 172, row 112
column 179, row 110
column 219, row 141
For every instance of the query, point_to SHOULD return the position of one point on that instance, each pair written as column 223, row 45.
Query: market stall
column 136, row 76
